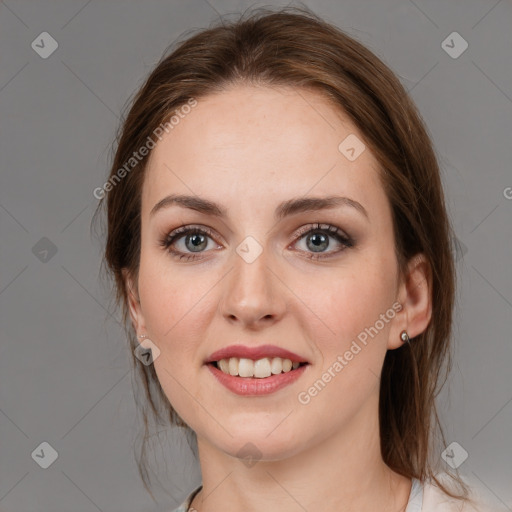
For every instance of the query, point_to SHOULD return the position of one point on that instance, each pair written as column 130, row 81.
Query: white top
column 415, row 503
column 425, row 497
column 428, row 497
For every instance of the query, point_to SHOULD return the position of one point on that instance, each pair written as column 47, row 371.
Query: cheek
column 350, row 303
column 357, row 310
column 175, row 309
column 169, row 298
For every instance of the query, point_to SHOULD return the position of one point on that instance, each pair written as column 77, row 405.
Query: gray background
column 64, row 367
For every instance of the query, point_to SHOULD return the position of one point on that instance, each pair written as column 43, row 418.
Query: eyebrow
column 284, row 209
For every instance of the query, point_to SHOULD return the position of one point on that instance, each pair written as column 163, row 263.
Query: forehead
column 255, row 141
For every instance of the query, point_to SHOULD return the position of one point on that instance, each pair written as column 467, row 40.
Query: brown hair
column 294, row 47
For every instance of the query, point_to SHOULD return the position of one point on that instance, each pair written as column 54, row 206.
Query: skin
column 249, row 148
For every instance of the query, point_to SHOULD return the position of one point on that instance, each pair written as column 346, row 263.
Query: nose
column 254, row 294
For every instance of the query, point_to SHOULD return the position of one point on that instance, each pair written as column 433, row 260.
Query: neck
column 342, row 472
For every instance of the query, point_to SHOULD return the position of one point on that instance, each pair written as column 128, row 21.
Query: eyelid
column 185, row 229
column 319, row 226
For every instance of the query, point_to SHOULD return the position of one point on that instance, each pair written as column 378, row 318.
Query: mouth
column 265, row 367
column 256, row 370
column 248, row 377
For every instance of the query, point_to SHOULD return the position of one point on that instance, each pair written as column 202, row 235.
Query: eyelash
column 328, row 229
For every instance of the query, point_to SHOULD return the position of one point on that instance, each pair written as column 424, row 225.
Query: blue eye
column 195, row 240
column 317, row 240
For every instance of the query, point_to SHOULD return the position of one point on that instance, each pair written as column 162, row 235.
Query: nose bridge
column 252, row 292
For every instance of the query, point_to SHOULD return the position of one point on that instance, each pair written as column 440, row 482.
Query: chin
column 259, row 445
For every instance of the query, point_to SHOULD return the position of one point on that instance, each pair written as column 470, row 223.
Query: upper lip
column 254, row 353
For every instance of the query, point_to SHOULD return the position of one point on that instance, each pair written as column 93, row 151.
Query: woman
column 281, row 250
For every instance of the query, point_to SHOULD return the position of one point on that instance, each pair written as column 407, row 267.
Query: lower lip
column 252, row 386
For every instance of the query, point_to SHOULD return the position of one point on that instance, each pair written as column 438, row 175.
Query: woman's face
column 264, row 273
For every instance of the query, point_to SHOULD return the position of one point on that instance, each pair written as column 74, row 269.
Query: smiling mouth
column 258, row 369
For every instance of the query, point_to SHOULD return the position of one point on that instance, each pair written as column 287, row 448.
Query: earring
column 404, row 336
column 142, row 336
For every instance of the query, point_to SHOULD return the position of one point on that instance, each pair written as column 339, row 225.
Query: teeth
column 245, row 367
column 224, row 365
column 277, row 365
column 259, row 369
column 233, row 366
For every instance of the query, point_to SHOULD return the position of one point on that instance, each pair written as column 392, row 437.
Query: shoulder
column 436, row 500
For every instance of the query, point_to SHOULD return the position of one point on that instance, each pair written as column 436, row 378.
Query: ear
column 134, row 302
column 415, row 296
